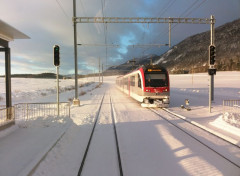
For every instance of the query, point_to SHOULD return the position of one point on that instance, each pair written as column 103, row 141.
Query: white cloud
column 47, row 24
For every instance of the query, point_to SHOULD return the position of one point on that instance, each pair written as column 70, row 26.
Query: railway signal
column 212, row 54
column 56, row 55
column 56, row 62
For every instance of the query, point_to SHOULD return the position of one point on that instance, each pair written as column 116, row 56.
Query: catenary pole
column 169, row 20
column 76, row 100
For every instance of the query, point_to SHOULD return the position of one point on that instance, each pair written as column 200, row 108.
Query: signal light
column 56, row 55
column 212, row 54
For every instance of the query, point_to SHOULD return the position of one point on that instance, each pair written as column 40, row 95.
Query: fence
column 231, row 112
column 231, row 106
column 7, row 115
column 2, row 106
column 26, row 111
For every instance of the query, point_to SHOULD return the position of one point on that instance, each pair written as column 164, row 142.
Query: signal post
column 212, row 69
column 56, row 62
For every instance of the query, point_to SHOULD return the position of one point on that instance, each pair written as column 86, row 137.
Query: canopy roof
column 10, row 33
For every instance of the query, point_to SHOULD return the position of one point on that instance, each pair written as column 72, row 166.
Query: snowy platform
column 148, row 144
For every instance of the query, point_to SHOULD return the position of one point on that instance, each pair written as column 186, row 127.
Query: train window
column 139, row 81
column 156, row 80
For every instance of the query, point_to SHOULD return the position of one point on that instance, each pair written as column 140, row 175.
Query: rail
column 231, row 111
column 26, row 111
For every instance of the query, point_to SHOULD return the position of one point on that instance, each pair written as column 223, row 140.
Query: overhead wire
column 105, row 30
column 162, row 11
column 186, row 15
column 169, row 5
column 189, row 8
column 88, row 25
column 90, row 29
column 62, row 9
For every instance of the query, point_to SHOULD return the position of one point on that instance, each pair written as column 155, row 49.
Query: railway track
column 199, row 134
column 92, row 134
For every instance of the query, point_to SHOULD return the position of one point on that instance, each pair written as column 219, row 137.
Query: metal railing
column 232, row 106
column 231, row 112
column 26, row 111
column 2, row 106
column 7, row 115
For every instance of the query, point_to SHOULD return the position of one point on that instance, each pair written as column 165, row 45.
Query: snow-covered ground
column 195, row 88
column 148, row 145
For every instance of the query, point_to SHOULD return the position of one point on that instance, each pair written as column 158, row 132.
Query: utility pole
column 169, row 33
column 76, row 101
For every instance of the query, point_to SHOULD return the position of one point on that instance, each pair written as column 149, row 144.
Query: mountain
column 41, row 75
column 130, row 65
column 191, row 55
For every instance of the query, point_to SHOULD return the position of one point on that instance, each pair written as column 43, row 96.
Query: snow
column 148, row 145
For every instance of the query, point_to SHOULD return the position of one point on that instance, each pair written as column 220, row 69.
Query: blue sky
column 49, row 22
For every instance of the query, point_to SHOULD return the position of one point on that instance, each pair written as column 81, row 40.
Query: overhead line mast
column 141, row 20
column 169, row 20
column 94, row 44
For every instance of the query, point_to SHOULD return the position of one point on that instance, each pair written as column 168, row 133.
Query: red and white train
column 148, row 85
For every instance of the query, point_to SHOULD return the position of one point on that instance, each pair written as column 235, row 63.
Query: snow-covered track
column 90, row 138
column 116, row 138
column 90, row 141
column 218, row 135
column 193, row 131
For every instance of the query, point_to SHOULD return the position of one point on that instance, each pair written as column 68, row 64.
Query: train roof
column 146, row 67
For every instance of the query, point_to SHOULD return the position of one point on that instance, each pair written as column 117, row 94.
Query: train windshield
column 156, row 80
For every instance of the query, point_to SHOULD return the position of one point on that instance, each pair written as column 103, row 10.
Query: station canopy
column 9, row 33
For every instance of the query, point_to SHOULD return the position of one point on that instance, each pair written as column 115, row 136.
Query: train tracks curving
column 198, row 133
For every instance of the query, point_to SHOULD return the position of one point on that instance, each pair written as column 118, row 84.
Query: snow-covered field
column 148, row 145
column 30, row 89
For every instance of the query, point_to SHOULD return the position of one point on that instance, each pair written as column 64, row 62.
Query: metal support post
column 57, row 68
column 169, row 39
column 76, row 101
column 8, row 77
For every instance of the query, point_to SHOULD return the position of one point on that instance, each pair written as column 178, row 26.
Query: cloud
column 50, row 22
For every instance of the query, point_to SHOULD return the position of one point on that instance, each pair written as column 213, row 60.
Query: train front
column 156, row 89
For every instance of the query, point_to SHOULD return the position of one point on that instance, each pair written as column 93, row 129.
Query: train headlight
column 165, row 90
column 166, row 100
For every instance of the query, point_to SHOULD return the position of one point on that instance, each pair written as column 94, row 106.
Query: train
column 148, row 84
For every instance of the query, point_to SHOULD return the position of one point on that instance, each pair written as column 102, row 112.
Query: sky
column 49, row 22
